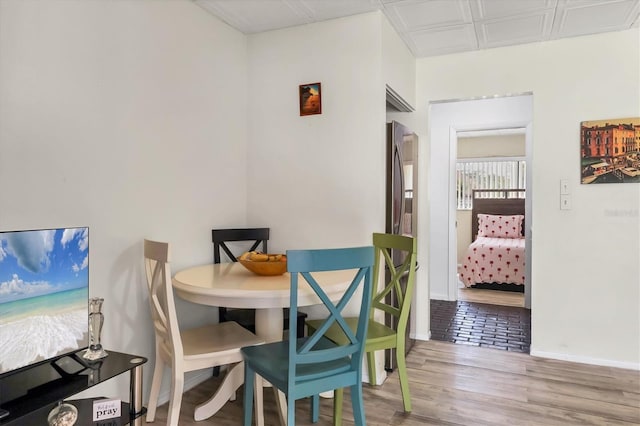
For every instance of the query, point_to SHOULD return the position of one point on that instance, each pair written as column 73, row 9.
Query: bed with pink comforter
column 496, row 257
column 494, row 260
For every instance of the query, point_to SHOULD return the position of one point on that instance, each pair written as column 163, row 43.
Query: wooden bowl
column 274, row 267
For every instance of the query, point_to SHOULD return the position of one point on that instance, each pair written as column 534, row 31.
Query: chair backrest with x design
column 258, row 237
column 302, row 263
column 220, row 237
column 401, row 278
column 158, row 273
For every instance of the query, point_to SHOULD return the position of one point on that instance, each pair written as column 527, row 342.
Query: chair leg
column 281, row 404
column 371, row 364
column 177, row 387
column 249, row 380
column 291, row 412
column 158, row 372
column 404, row 379
column 259, row 405
column 338, row 396
column 315, row 408
column 358, row 405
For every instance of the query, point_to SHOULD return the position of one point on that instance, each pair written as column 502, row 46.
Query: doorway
column 447, row 120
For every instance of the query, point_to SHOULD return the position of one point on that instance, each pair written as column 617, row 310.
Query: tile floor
column 478, row 324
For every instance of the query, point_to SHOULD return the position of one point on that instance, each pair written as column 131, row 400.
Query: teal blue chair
column 305, row 367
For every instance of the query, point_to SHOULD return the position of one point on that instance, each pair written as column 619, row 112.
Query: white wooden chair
column 188, row 350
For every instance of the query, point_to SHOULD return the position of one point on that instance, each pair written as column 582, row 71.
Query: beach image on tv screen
column 44, row 288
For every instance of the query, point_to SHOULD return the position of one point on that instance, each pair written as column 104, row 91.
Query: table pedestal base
column 227, row 389
column 269, row 324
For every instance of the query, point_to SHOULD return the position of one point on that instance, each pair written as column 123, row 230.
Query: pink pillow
column 500, row 226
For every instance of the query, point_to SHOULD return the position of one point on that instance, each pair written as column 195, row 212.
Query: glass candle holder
column 96, row 320
column 63, row 414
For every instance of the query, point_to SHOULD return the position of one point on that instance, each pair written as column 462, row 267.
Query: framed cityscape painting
column 610, row 151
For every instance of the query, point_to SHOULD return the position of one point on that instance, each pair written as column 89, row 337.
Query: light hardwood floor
column 460, row 385
column 492, row 297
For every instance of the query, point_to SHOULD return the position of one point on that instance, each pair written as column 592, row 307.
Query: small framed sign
column 310, row 99
column 106, row 409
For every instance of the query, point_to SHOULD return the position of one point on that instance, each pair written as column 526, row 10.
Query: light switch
column 565, row 202
column 564, row 187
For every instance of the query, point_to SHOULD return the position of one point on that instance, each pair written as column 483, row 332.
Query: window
column 507, row 173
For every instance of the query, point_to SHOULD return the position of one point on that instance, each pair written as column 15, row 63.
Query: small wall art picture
column 610, row 151
column 310, row 99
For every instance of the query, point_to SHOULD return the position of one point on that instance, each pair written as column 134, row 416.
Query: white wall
column 585, row 292
column 398, row 64
column 491, row 146
column 318, row 180
column 128, row 117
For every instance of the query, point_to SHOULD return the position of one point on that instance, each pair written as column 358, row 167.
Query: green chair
column 307, row 366
column 379, row 336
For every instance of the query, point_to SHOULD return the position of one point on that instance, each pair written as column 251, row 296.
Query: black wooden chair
column 246, row 317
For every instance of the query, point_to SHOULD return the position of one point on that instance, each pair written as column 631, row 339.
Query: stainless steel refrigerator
column 401, row 204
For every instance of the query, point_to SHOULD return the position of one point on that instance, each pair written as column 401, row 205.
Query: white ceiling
column 438, row 27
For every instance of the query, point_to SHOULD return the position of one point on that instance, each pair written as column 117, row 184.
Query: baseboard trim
column 585, row 360
column 422, row 337
column 438, row 296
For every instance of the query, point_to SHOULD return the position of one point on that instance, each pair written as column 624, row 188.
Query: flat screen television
column 44, row 293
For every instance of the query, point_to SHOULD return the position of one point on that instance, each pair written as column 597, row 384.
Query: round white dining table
column 233, row 286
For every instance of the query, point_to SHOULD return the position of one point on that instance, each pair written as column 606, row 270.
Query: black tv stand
column 58, row 364
column 29, row 395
